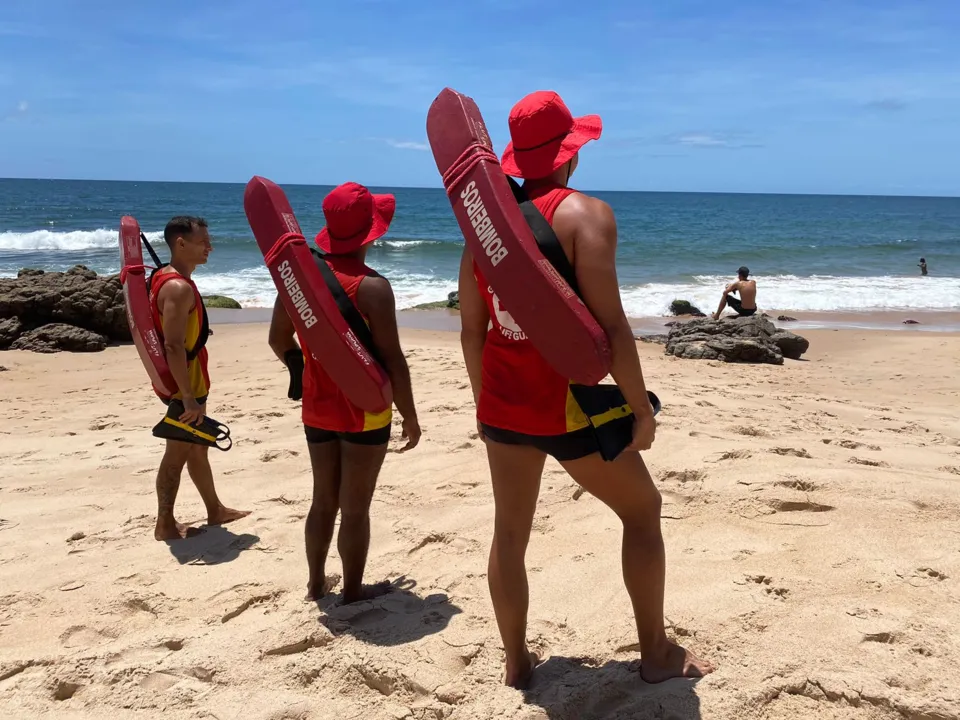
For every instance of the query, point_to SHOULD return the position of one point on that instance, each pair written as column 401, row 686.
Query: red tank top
column 520, row 390
column 196, row 368
column 324, row 405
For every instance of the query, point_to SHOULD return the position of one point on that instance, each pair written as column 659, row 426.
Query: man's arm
column 595, row 231
column 282, row 336
column 732, row 287
column 175, row 302
column 474, row 318
column 375, row 300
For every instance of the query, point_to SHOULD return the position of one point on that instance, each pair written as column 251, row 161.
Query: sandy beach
column 811, row 516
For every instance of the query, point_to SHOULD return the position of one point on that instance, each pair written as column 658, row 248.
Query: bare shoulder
column 375, row 295
column 588, row 219
column 177, row 291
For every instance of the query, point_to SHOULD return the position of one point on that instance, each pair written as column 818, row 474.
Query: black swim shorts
column 569, row 446
column 200, row 401
column 380, row 436
column 735, row 304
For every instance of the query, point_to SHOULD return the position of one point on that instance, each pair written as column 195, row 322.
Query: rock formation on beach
column 451, row 303
column 76, row 310
column 735, row 339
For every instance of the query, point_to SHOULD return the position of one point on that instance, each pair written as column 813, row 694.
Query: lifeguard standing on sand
column 525, row 410
column 176, row 306
column 347, row 445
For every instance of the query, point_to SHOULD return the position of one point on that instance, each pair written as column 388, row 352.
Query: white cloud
column 701, row 140
column 22, row 106
column 710, row 140
column 408, row 145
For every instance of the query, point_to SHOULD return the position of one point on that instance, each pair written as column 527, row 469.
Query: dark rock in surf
column 735, row 339
column 911, row 322
column 58, row 336
column 685, row 307
column 786, row 318
column 451, row 303
column 78, row 297
column 221, row 301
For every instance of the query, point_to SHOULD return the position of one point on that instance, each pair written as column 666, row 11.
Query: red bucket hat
column 544, row 135
column 355, row 217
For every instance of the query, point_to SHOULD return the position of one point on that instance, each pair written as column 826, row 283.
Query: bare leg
column 318, row 530
column 515, row 472
column 359, row 467
column 723, row 304
column 626, row 487
column 168, row 483
column 198, row 465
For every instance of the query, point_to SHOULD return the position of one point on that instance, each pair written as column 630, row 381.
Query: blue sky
column 831, row 96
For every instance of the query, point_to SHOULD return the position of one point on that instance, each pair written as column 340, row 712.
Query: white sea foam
column 253, row 287
column 101, row 239
column 803, row 294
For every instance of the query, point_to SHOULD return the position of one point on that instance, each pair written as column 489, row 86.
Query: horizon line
column 440, row 187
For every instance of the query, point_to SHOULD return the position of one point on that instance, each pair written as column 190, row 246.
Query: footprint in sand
column 884, row 638
column 767, row 584
column 271, row 455
column 735, row 455
column 783, row 506
column 683, row 476
column 794, row 452
column 432, row 539
column 868, row 463
column 750, row 431
column 853, row 445
column 81, row 636
column 797, row 484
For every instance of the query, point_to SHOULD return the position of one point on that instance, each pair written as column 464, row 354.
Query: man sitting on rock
column 746, row 305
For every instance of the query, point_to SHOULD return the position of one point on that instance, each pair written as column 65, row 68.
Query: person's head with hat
column 545, row 138
column 355, row 218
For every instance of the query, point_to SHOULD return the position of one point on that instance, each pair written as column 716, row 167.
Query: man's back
column 748, row 292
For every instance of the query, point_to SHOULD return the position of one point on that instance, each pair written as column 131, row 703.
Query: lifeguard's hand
column 411, row 433
column 644, row 431
column 193, row 412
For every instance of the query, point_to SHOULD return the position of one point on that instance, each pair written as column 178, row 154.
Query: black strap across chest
column 346, row 306
column 546, row 238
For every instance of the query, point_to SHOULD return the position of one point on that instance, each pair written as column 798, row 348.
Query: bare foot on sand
column 225, row 515
column 519, row 677
column 674, row 662
column 170, row 530
column 366, row 592
column 324, row 589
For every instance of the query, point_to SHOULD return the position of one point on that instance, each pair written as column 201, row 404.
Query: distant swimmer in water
column 746, row 305
column 923, row 266
column 178, row 310
column 526, row 411
column 347, row 445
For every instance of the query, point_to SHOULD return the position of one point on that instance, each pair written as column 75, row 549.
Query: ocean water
column 809, row 253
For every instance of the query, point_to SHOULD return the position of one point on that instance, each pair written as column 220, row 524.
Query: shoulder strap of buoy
column 546, row 238
column 346, row 306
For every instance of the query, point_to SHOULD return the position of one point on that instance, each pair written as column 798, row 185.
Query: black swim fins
column 209, row 432
column 609, row 415
column 293, row 359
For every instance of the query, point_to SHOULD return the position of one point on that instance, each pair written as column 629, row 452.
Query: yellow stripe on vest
column 611, row 414
column 190, row 429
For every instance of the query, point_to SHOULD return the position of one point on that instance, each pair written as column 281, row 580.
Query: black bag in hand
column 293, row 359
